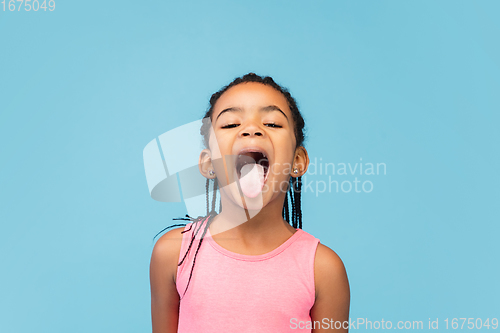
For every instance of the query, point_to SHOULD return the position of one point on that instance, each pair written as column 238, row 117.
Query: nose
column 251, row 133
column 251, row 129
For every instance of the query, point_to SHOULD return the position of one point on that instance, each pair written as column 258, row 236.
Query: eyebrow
column 268, row 108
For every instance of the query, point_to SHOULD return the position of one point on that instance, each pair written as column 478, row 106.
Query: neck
column 239, row 221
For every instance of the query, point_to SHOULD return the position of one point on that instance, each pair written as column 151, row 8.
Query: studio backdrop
column 401, row 102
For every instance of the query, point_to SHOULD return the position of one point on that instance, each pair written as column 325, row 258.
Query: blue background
column 83, row 89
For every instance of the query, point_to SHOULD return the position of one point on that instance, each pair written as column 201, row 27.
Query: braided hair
column 292, row 212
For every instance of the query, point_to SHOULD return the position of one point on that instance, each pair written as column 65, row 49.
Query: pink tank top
column 231, row 292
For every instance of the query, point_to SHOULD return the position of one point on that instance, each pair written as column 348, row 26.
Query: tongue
column 252, row 180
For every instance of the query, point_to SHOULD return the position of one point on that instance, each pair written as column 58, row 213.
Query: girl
column 251, row 267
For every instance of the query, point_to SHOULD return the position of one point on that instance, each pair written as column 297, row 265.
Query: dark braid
column 214, row 196
column 206, row 187
column 291, row 218
column 286, row 213
column 292, row 196
column 195, row 232
column 298, row 205
column 199, row 221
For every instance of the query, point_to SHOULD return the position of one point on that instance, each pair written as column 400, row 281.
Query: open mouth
column 252, row 169
column 250, row 158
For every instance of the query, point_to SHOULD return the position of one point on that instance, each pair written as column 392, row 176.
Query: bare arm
column 162, row 274
column 332, row 292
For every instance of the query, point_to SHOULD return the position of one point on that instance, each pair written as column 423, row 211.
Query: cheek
column 214, row 151
column 290, row 145
column 219, row 146
column 284, row 156
column 293, row 140
column 216, row 144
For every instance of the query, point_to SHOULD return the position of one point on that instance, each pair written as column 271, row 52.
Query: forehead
column 251, row 95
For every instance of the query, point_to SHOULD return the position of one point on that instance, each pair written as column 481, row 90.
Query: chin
column 254, row 204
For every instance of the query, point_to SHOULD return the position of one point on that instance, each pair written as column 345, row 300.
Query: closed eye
column 230, row 126
column 273, row 125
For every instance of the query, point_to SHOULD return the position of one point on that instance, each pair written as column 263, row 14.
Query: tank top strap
column 189, row 245
column 304, row 251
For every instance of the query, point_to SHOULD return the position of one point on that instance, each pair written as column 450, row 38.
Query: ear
column 300, row 161
column 205, row 164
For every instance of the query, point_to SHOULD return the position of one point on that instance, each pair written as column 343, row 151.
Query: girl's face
column 252, row 122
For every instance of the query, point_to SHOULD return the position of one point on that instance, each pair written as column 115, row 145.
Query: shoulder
column 163, row 269
column 329, row 273
column 327, row 260
column 332, row 288
column 169, row 239
column 165, row 255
